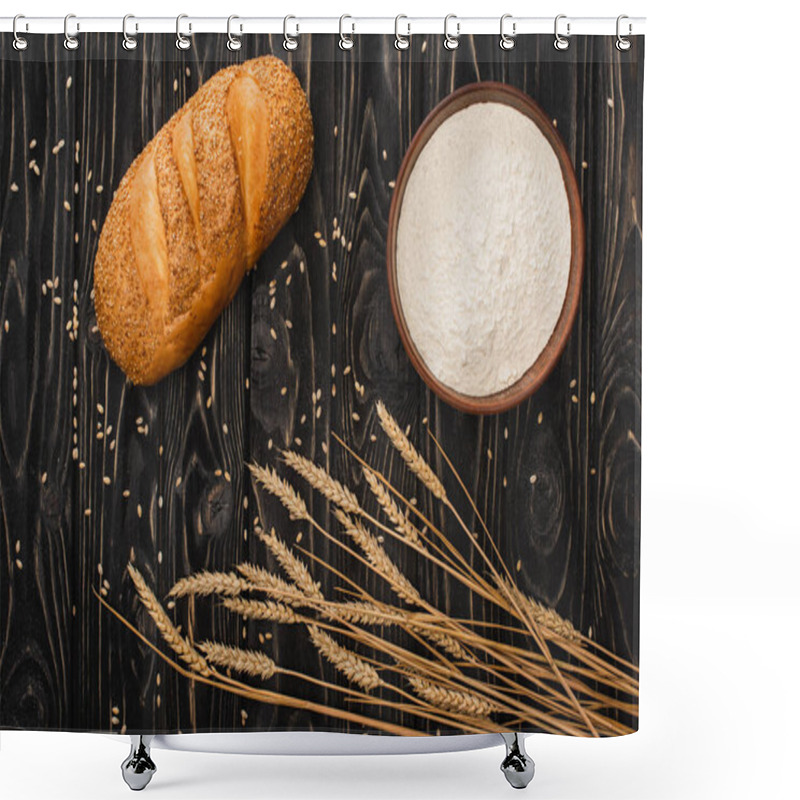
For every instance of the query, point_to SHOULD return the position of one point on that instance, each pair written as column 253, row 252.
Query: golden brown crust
column 194, row 212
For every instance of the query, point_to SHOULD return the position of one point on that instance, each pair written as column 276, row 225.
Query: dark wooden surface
column 158, row 475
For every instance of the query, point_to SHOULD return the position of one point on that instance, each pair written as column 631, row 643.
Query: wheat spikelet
column 296, row 570
column 265, row 581
column 416, row 463
column 442, row 640
column 261, row 609
column 168, row 631
column 361, row 613
column 379, row 558
column 321, row 480
column 345, row 661
column 544, row 617
column 453, row 700
column 401, row 523
column 249, row 662
column 205, row 583
column 281, row 489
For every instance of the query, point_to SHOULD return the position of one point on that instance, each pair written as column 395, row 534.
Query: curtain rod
column 298, row 25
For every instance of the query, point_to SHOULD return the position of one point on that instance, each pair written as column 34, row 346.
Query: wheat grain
column 322, row 481
column 544, row 617
column 379, row 558
column 416, row 463
column 205, row 583
column 401, row 523
column 453, row 700
column 265, row 581
column 355, row 669
column 249, row 662
column 168, row 631
column 278, row 487
column 261, row 609
column 295, row 569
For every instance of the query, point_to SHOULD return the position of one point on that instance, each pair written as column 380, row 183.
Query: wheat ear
column 205, row 583
column 168, row 631
column 545, row 617
column 354, row 668
column 447, row 643
column 416, row 463
column 281, row 489
column 264, row 581
column 379, row 558
column 261, row 610
column 400, row 521
column 453, row 700
column 249, row 662
column 321, row 480
column 294, row 568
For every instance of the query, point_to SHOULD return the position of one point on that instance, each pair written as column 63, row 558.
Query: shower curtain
column 294, row 528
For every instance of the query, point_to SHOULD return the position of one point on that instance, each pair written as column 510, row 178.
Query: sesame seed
column 610, row 102
column 69, row 82
column 352, row 195
column 14, row 187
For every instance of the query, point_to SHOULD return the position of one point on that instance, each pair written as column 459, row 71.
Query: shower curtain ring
column 234, row 41
column 401, row 42
column 129, row 42
column 507, row 40
column 289, row 42
column 451, row 40
column 20, row 42
column 71, row 42
column 623, row 43
column 182, row 42
column 561, row 42
column 346, row 39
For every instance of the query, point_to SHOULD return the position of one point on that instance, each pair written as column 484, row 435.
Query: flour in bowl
column 483, row 248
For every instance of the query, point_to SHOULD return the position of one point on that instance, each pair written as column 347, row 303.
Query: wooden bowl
column 535, row 375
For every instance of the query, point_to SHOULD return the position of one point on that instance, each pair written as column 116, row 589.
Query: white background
column 720, row 715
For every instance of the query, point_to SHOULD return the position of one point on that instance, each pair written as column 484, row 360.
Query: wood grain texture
column 160, row 474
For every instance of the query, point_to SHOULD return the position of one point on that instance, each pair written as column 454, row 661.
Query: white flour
column 483, row 248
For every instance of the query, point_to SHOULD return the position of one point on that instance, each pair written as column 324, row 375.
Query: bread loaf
column 195, row 211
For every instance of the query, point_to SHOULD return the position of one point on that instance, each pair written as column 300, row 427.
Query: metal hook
column 289, row 42
column 507, row 41
column 401, row 42
column 561, row 42
column 234, row 42
column 181, row 41
column 129, row 42
column 450, row 41
column 20, row 42
column 346, row 40
column 623, row 44
column 70, row 42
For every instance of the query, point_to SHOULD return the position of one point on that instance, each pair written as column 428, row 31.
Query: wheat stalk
column 321, row 480
column 205, row 583
column 355, row 669
column 400, row 521
column 281, row 489
column 249, row 662
column 294, row 568
column 379, row 558
column 168, row 631
column 416, row 463
column 261, row 609
column 453, row 700
column 545, row 617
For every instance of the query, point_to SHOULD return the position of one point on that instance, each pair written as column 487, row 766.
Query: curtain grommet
column 234, row 41
column 623, row 43
column 451, row 40
column 182, row 42
column 561, row 42
column 20, row 42
column 71, row 41
column 289, row 41
column 507, row 40
column 129, row 42
column 401, row 42
column 346, row 41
